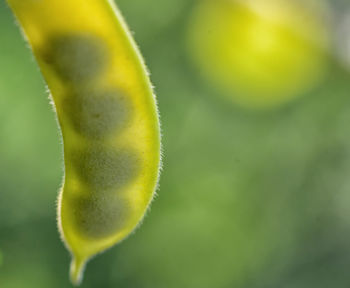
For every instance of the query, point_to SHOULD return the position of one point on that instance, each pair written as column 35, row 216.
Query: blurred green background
column 255, row 188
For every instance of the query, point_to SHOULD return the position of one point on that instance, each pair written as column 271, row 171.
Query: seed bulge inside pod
column 96, row 114
column 77, row 58
column 99, row 216
column 104, row 168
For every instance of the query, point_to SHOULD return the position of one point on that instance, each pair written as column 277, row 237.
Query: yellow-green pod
column 108, row 118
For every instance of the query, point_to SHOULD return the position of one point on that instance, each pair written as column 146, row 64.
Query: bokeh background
column 254, row 98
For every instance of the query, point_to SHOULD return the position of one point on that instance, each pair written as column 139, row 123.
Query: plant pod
column 107, row 114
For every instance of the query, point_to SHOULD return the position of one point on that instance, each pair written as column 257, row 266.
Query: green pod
column 108, row 117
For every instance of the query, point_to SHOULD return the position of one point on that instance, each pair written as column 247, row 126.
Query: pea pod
column 107, row 114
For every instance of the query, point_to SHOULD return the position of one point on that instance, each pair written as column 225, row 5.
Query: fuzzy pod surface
column 108, row 117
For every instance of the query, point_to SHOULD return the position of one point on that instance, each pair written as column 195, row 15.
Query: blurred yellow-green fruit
column 261, row 53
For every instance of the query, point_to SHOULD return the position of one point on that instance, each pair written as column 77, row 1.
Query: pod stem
column 76, row 270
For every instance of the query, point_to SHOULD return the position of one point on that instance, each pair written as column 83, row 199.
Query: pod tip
column 76, row 270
